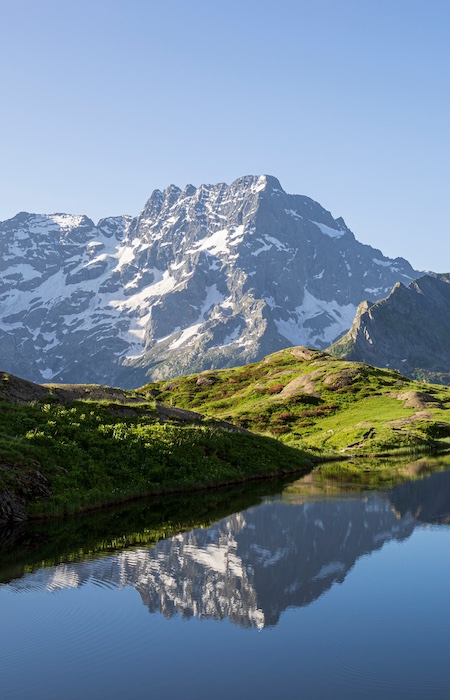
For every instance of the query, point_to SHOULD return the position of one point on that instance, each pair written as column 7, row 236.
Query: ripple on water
column 80, row 623
column 378, row 668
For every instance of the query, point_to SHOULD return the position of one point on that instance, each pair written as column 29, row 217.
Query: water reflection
column 251, row 566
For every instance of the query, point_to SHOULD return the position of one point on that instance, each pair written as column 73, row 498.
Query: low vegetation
column 61, row 458
column 64, row 449
column 310, row 400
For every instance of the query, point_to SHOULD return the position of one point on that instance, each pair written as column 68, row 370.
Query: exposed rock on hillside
column 408, row 331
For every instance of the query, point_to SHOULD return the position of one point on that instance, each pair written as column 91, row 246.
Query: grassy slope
column 62, row 457
column 311, row 400
column 58, row 459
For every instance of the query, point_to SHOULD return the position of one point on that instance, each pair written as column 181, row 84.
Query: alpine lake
column 306, row 588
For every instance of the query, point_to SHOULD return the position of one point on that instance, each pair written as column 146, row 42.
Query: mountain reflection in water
column 249, row 567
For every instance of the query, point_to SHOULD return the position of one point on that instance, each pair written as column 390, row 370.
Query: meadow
column 65, row 451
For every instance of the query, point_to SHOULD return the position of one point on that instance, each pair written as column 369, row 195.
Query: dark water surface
column 273, row 591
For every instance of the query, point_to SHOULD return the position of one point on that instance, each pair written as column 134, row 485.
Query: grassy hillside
column 60, row 454
column 309, row 399
column 68, row 448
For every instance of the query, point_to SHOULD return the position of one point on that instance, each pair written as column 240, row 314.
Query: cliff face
column 214, row 276
column 408, row 331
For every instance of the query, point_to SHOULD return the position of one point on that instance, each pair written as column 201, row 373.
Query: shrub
column 275, row 388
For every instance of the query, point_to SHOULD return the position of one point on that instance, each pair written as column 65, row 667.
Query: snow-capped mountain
column 204, row 277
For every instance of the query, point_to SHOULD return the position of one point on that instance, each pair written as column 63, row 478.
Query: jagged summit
column 407, row 331
column 208, row 276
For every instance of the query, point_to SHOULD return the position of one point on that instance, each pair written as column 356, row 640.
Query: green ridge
column 311, row 400
column 60, row 454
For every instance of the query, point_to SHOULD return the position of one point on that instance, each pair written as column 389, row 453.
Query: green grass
column 334, row 413
column 87, row 456
column 58, row 459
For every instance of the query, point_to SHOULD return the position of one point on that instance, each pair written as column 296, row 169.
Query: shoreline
column 46, row 510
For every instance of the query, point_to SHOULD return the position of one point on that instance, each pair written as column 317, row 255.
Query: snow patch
column 265, row 247
column 261, row 184
column 230, row 339
column 328, row 231
column 293, row 213
column 278, row 244
column 215, row 244
column 213, row 298
column 337, row 319
column 331, row 569
column 66, row 221
column 26, row 271
column 270, row 301
column 219, row 241
column 186, row 335
column 216, row 557
column 237, row 235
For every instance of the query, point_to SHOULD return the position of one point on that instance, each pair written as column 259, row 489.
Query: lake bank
column 72, row 448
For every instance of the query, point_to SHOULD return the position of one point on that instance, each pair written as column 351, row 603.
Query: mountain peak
column 406, row 331
column 257, row 183
column 204, row 277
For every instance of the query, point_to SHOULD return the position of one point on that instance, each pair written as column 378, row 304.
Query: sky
column 345, row 101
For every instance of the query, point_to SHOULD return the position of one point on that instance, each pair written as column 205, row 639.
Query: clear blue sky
column 346, row 101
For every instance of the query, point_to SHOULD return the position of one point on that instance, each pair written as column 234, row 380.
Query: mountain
column 408, row 331
column 202, row 278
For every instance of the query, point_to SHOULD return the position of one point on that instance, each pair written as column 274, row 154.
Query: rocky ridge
column 408, row 331
column 202, row 278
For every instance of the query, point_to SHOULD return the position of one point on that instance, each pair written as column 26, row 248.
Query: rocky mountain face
column 203, row 278
column 408, row 331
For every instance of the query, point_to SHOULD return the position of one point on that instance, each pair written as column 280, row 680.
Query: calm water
column 276, row 595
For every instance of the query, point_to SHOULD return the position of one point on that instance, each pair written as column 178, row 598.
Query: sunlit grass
column 297, row 408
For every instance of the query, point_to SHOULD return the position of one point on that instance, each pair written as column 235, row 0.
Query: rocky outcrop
column 408, row 331
column 26, row 484
column 11, row 509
